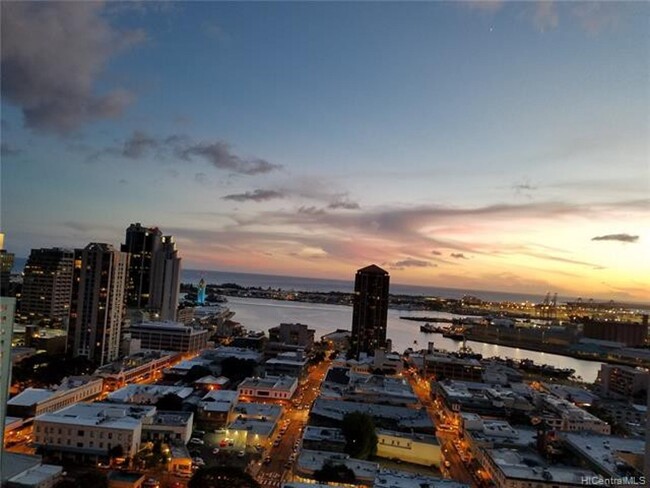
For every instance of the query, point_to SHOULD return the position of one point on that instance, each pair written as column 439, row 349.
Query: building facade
column 6, row 263
column 370, row 312
column 7, row 306
column 169, row 336
column 632, row 334
column 624, row 380
column 141, row 243
column 165, row 279
column 97, row 305
column 47, row 287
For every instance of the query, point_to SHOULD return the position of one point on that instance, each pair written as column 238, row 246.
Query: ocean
column 297, row 283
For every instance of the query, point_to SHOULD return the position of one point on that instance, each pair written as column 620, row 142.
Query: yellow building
column 411, row 448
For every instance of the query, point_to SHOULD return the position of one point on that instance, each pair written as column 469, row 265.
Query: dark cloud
column 138, row 145
column 616, row 237
column 258, row 195
column 311, row 211
column 412, row 263
column 219, row 154
column 53, row 54
column 436, row 253
column 7, row 150
column 343, row 203
column 458, row 255
column 201, row 178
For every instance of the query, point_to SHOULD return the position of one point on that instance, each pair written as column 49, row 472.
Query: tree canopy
column 236, row 369
column 170, row 402
column 360, row 435
column 222, row 477
column 334, row 473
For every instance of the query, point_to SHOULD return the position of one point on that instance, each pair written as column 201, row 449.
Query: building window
column 80, row 433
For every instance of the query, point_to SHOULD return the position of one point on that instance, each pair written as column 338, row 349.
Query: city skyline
column 481, row 145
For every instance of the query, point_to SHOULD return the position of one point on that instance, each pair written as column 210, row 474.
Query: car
column 151, row 483
column 197, row 461
column 447, row 464
column 276, row 443
column 198, row 432
column 223, row 443
column 288, row 464
column 198, row 442
column 267, row 460
column 241, row 454
column 215, row 450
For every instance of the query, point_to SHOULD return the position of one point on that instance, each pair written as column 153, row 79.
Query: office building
column 97, row 305
column 141, row 244
column 276, row 387
column 165, row 279
column 370, row 312
column 6, row 328
column 290, row 337
column 169, row 336
column 624, row 380
column 6, row 263
column 47, row 287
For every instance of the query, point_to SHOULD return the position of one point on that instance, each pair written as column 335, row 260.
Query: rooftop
column 257, row 410
column 526, row 464
column 316, row 434
column 604, row 450
column 270, row 382
column 419, row 438
column 108, row 415
column 143, row 393
column 30, row 396
column 37, row 475
column 311, row 461
column 401, row 479
column 14, row 464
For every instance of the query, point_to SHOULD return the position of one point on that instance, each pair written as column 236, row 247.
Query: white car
column 197, row 461
column 241, row 454
column 197, row 442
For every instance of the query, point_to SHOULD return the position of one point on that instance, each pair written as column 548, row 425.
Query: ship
column 454, row 333
column 430, row 328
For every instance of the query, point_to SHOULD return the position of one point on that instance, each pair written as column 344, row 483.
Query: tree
column 170, row 402
column 196, row 373
column 93, row 478
column 236, row 369
column 222, row 477
column 116, row 451
column 360, row 435
column 336, row 473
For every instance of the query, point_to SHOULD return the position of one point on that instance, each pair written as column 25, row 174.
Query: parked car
column 241, row 454
column 198, row 442
column 215, row 450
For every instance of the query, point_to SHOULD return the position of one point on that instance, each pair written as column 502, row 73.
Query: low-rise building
column 401, row 479
column 275, row 387
column 309, row 462
column 217, row 355
column 147, row 394
column 323, row 439
column 338, row 340
column 36, row 401
column 180, row 462
column 136, row 368
column 341, row 383
column 27, row 471
column 254, row 424
column 517, row 468
column 254, row 340
column 564, row 415
column 420, row 449
column 124, row 479
column 216, row 407
column 90, row 431
column 288, row 364
column 169, row 336
column 385, row 416
column 289, row 337
column 170, row 427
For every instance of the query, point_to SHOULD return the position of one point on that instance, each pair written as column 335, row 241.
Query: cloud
column 596, row 17
column 343, row 203
column 458, row 255
column 258, row 195
column 140, row 145
column 616, row 237
column 436, row 253
column 412, row 263
column 221, row 157
column 53, row 55
column 7, row 150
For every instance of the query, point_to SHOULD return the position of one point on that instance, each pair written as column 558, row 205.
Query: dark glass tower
column 370, row 313
column 141, row 244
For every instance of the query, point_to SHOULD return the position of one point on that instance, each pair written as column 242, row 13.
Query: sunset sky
column 481, row 145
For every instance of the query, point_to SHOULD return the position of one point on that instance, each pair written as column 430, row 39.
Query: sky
column 481, row 145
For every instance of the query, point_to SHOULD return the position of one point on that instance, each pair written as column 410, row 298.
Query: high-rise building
column 370, row 312
column 97, row 305
column 47, row 287
column 165, row 279
column 6, row 263
column 141, row 243
column 6, row 329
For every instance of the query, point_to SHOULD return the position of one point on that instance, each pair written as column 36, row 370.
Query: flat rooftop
column 108, row 415
column 401, row 479
column 314, row 460
column 602, row 450
column 14, row 464
column 253, row 427
column 257, row 410
column 37, row 475
column 30, row 396
column 317, row 434
column 270, row 383
column 405, row 417
column 526, row 464
column 421, row 438
column 130, row 393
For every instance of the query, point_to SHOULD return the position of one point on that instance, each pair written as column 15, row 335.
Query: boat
column 454, row 333
column 430, row 328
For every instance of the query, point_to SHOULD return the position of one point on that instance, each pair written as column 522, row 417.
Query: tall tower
column 6, row 329
column 141, row 243
column 6, row 263
column 370, row 312
column 165, row 279
column 47, row 287
column 97, row 307
column 200, row 297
